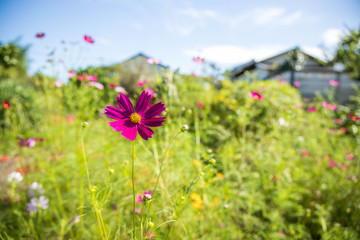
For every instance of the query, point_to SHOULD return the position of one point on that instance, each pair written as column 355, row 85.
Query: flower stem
column 162, row 162
column 133, row 184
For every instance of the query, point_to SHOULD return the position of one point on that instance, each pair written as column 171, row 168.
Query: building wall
column 312, row 82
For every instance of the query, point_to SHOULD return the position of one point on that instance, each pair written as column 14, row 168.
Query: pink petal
column 144, row 131
column 125, row 103
column 118, row 125
column 153, row 122
column 142, row 102
column 155, row 110
column 116, row 113
column 130, row 130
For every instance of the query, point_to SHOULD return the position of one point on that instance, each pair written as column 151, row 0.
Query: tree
column 12, row 61
column 348, row 53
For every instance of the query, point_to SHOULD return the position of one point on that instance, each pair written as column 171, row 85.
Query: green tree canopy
column 12, row 61
column 348, row 53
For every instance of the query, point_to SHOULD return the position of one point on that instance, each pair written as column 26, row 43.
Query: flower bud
column 85, row 124
column 147, row 196
column 111, row 171
column 212, row 161
column 151, row 224
column 201, row 173
column 185, row 128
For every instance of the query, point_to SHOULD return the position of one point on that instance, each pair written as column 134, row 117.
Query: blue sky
column 225, row 32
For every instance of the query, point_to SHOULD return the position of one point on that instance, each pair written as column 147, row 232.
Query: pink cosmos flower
column 141, row 83
column 297, row 84
column 334, row 83
column 352, row 177
column 139, row 199
column 88, row 39
column 150, row 91
column 29, row 142
column 332, row 164
column 96, row 84
column 329, row 106
column 91, row 78
column 349, row 156
column 262, row 89
column 193, row 74
column 305, row 153
column 152, row 61
column 6, row 105
column 111, row 85
column 200, row 105
column 40, row 35
column 198, row 60
column 256, row 96
column 81, row 78
column 354, row 117
column 311, row 109
column 338, row 121
column 71, row 74
column 131, row 122
column 343, row 129
column 345, row 166
column 150, row 235
column 58, row 83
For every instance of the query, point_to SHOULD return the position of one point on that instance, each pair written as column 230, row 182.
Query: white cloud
column 179, row 29
column 198, row 13
column 331, row 37
column 291, row 18
column 266, row 16
column 231, row 54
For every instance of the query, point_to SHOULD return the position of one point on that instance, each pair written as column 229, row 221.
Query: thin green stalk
column 162, row 162
column 133, row 185
column 98, row 216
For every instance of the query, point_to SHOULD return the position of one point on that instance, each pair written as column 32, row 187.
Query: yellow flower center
column 135, row 118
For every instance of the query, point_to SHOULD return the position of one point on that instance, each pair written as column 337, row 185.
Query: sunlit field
column 181, row 157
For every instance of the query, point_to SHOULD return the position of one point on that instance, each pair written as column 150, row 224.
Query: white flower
column 282, row 122
column 120, row 90
column 35, row 189
column 15, row 177
column 36, row 204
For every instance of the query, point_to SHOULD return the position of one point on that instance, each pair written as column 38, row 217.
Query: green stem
column 133, row 184
column 162, row 162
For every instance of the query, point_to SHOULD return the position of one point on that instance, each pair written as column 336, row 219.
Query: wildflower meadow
column 180, row 157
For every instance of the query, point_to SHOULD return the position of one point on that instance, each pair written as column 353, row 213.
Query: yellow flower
column 196, row 163
column 216, row 200
column 197, row 201
column 219, row 175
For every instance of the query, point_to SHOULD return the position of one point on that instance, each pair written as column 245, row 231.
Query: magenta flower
column 88, row 39
column 334, row 83
column 139, row 199
column 81, row 78
column 150, row 91
column 297, row 84
column 349, row 156
column 354, row 117
column 91, row 78
column 200, row 105
column 311, row 109
column 329, row 106
column 112, row 85
column 256, row 96
column 131, row 122
column 345, row 166
column 338, row 121
column 141, row 83
column 40, row 35
column 332, row 164
column 29, row 142
column 198, row 60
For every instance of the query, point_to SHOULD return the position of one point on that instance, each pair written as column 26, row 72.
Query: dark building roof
column 268, row 66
